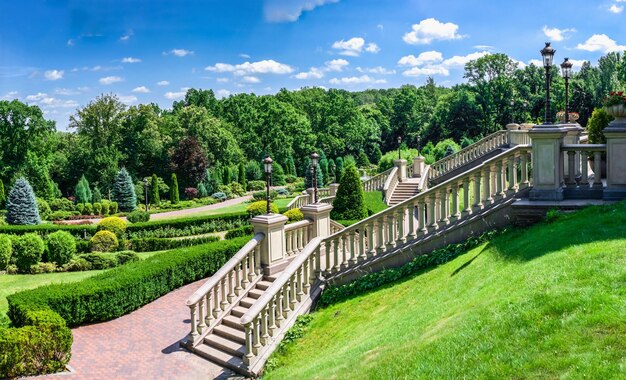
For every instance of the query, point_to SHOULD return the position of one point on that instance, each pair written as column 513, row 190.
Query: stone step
column 222, row 358
column 233, row 321
column 239, row 311
column 255, row 293
column 263, row 285
column 226, row 345
column 247, row 302
column 230, row 333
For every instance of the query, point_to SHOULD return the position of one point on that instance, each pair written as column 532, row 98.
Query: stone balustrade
column 390, row 184
column 327, row 200
column 376, row 182
column 579, row 182
column 298, row 201
column 296, row 236
column 215, row 297
column 335, row 227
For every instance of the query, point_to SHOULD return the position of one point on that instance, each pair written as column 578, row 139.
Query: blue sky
column 60, row 54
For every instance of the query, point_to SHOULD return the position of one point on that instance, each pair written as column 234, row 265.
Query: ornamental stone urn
column 618, row 111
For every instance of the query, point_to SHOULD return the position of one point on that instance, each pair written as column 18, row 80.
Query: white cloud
column 372, row 48
column 356, row 80
column 429, row 30
column 483, row 47
column 179, row 52
column 175, row 95
column 268, row 66
column 354, row 46
column 376, row 70
column 250, row 79
column 127, row 36
column 313, row 73
column 616, row 8
column 130, row 60
column 222, row 80
column 163, row 83
column 556, row 34
column 66, row 91
column 289, row 11
column 53, row 74
column 222, row 93
column 70, row 42
column 422, row 58
column 48, row 102
column 141, row 89
column 601, row 43
column 110, row 80
column 459, row 61
column 336, row 64
column 245, row 56
column 10, row 95
column 380, row 27
column 128, row 99
column 427, row 70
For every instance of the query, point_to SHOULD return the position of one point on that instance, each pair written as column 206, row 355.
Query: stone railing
column 323, row 192
column 390, row 184
column 452, row 201
column 296, row 237
column 519, row 137
column 335, row 227
column 328, row 200
column 299, row 201
column 464, row 156
column 222, row 290
column 306, row 198
column 376, row 182
column 576, row 167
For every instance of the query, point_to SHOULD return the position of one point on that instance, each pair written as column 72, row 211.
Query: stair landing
column 406, row 189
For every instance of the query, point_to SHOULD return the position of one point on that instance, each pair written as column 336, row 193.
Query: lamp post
column 267, row 162
column 334, row 167
column 314, row 158
column 399, row 142
column 145, row 187
column 419, row 144
column 566, row 69
column 547, row 53
column 512, row 116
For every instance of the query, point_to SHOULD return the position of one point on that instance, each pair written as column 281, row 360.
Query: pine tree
column 339, row 163
column 202, row 192
column 96, row 195
column 350, row 201
column 124, row 191
column 242, row 176
column 3, row 196
column 155, row 199
column 174, row 198
column 22, row 205
column 362, row 160
column 82, row 192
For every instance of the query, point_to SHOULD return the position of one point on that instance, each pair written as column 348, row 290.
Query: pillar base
column 319, row 214
column 273, row 246
column 546, row 195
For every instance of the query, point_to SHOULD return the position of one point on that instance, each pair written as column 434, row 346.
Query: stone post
column 311, row 192
column 418, row 166
column 333, row 189
column 273, row 250
column 615, row 160
column 511, row 137
column 572, row 136
column 547, row 162
column 401, row 164
column 319, row 214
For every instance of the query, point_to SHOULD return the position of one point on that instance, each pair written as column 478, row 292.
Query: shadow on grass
column 468, row 262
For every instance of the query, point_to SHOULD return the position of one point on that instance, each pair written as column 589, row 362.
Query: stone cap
column 316, row 208
column 512, row 126
column 269, row 219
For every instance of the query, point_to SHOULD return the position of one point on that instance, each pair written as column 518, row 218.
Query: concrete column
column 333, row 189
column 273, row 250
column 615, row 159
column 419, row 166
column 319, row 214
column 509, row 136
column 401, row 164
column 547, row 162
column 311, row 193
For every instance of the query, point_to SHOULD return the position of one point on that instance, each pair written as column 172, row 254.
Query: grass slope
column 545, row 302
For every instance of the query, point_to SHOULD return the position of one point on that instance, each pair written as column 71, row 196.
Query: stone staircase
column 405, row 190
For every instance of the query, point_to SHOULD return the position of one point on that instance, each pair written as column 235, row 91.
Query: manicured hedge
column 160, row 244
column 238, row 232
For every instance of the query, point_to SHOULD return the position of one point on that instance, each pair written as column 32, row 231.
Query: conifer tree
column 124, row 191
column 155, row 199
column 339, row 170
column 202, row 191
column 22, row 205
column 82, row 192
column 96, row 195
column 242, row 176
column 174, row 197
column 376, row 155
column 3, row 196
column 350, row 201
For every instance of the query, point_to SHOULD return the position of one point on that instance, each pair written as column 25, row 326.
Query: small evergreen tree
column 253, row 171
column 3, row 197
column 22, row 205
column 242, row 176
column 202, row 192
column 96, row 195
column 339, row 163
column 308, row 177
column 82, row 191
column 376, row 155
column 362, row 160
column 155, row 199
column 226, row 179
column 350, row 201
column 332, row 170
column 323, row 165
column 124, row 191
column 278, row 175
column 174, row 197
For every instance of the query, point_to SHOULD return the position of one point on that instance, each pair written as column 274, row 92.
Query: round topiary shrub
column 21, row 204
column 138, row 216
column 113, row 224
column 294, row 215
column 88, row 209
column 61, row 247
column 6, row 248
column 113, row 208
column 97, row 208
column 260, row 208
column 350, row 201
column 27, row 251
column 104, row 241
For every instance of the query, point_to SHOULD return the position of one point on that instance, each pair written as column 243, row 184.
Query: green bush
column 262, row 195
column 97, row 208
column 6, row 248
column 350, row 200
column 27, row 251
column 22, row 205
column 62, row 204
column 260, row 208
column 80, row 207
column 88, row 209
column 256, row 185
column 40, row 268
column 105, row 207
column 237, row 189
column 220, row 196
column 61, row 215
column 61, row 247
column 161, row 244
column 78, row 264
column 44, row 208
column 599, row 120
column 104, row 241
column 238, row 232
column 100, row 260
column 138, row 216
column 114, row 224
column 174, row 196
column 125, row 257
column 294, row 215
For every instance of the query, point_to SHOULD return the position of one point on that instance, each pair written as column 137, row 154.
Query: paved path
column 141, row 345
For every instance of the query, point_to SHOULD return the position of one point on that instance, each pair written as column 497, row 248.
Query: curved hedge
column 42, row 343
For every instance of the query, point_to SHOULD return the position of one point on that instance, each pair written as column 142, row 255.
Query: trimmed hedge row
column 160, row 244
column 38, row 347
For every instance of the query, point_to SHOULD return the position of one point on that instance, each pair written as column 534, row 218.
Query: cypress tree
column 22, row 205
column 174, row 198
column 339, row 163
column 332, row 174
column 80, row 193
column 3, row 196
column 350, row 201
column 376, row 155
column 242, row 176
column 155, row 199
column 323, row 165
column 96, row 195
column 124, row 191
column 308, row 178
column 278, row 175
column 362, row 160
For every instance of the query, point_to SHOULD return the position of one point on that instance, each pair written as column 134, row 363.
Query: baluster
column 584, row 180
column 380, row 237
column 390, row 231
column 257, row 260
column 251, row 265
column 257, row 335
column 238, row 288
column 224, row 303
column 370, row 239
column 244, row 270
column 400, row 226
column 279, row 306
column 500, row 179
column 432, row 218
column 337, row 259
column 328, row 253
column 300, row 283
column 231, row 287
column 286, row 301
column 353, row 254
column 524, row 170
column 345, row 254
column 308, row 274
column 421, row 217
column 194, row 327
column 597, row 169
column 247, row 359
column 410, row 210
column 202, row 323
column 209, row 314
column 454, row 212
column 487, row 176
column 362, row 241
column 292, row 292
column 478, row 203
column 512, row 167
column 272, row 316
column 443, row 206
column 467, row 208
column 265, row 336
column 216, row 310
column 571, row 168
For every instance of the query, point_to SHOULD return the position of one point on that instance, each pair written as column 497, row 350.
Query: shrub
column 88, row 209
column 599, row 120
column 61, row 204
column 160, row 244
column 138, row 216
column 44, row 208
column 278, row 175
column 124, row 191
column 105, row 207
column 97, row 208
column 262, row 195
column 6, row 248
column 191, row 193
column 113, row 208
column 294, row 215
column 61, row 247
column 21, row 205
column 40, row 268
column 114, row 224
column 155, row 199
column 96, row 196
column 82, row 192
column 290, row 178
column 242, row 176
column 282, row 192
column 3, row 196
column 104, row 241
column 78, row 264
column 226, row 190
column 125, row 257
column 386, row 161
column 237, row 189
column 260, row 208
column 238, row 232
column 174, row 198
column 27, row 251
column 253, row 171
column 202, row 191
column 256, row 185
column 80, row 208
column 350, row 200
column 219, row 196
column 100, row 260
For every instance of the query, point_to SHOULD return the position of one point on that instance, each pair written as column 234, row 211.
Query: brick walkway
column 141, row 345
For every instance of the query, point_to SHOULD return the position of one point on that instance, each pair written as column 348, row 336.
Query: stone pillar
column 572, row 136
column 547, row 162
column 401, row 164
column 418, row 166
column 319, row 214
column 311, row 193
column 615, row 160
column 273, row 250
column 333, row 189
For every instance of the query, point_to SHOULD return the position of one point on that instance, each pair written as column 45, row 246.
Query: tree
column 308, row 175
column 242, row 176
column 189, row 161
column 96, row 195
column 3, row 196
column 82, row 191
column 124, row 191
column 155, row 199
column 278, row 175
column 332, row 170
column 350, row 201
column 375, row 155
column 362, row 160
column 22, row 205
column 339, row 170
column 599, row 120
column 174, row 197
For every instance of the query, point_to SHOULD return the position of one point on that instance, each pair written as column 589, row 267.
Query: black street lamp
column 267, row 162
column 566, row 69
column 314, row 158
column 419, row 144
column 399, row 142
column 145, row 186
column 547, row 53
column 334, row 167
column 512, row 111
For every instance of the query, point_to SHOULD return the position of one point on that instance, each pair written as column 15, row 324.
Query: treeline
column 201, row 132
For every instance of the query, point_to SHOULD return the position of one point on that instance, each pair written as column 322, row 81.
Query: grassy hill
column 543, row 302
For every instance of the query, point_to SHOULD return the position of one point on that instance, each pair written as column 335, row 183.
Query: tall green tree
column 82, row 192
column 155, row 199
column 22, row 205
column 349, row 203
column 242, row 176
column 3, row 196
column 124, row 191
column 174, row 196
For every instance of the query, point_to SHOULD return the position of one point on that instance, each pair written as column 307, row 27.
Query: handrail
column 390, row 183
column 376, row 181
column 296, row 202
column 584, row 147
column 296, row 225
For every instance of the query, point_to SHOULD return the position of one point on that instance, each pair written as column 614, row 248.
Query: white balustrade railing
column 519, row 137
column 576, row 167
column 390, row 184
column 296, row 237
column 376, row 182
column 328, row 200
column 335, row 227
column 454, row 200
column 299, row 201
column 221, row 291
column 488, row 144
column 323, row 192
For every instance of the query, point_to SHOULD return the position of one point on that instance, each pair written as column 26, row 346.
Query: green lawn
column 545, row 302
column 240, row 207
column 375, row 202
